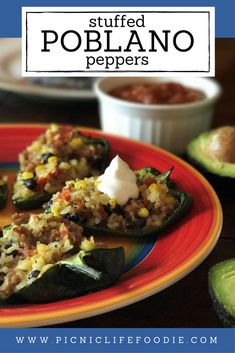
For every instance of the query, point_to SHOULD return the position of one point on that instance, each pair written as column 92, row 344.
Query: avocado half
column 222, row 291
column 214, row 151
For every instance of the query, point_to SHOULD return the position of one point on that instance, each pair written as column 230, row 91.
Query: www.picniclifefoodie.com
column 108, row 41
column 117, row 340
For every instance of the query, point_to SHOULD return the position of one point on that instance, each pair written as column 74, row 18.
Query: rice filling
column 32, row 244
column 81, row 201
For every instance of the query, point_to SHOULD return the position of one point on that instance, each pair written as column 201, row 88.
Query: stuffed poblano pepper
column 45, row 258
column 3, row 192
column 122, row 201
column 62, row 153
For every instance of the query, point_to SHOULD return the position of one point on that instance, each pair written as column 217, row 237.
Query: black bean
column 73, row 155
column 118, row 209
column 74, row 217
column 14, row 253
column 30, row 183
column 65, row 215
column 7, row 245
column 33, row 274
column 136, row 223
column 46, row 156
column 2, row 276
column 108, row 209
column 96, row 162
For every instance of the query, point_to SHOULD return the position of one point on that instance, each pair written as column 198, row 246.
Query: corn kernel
column 87, row 244
column 143, row 212
column 52, row 159
column 55, row 210
column 76, row 142
column 113, row 202
column 64, row 165
column 73, row 162
column 40, row 168
column 97, row 183
column 153, row 187
column 45, row 268
column 80, row 184
column 54, row 127
column 41, row 248
column 27, row 175
column 24, row 264
column 46, row 151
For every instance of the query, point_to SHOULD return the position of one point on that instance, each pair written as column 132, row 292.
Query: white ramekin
column 169, row 126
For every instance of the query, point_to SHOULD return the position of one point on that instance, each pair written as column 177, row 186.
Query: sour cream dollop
column 119, row 181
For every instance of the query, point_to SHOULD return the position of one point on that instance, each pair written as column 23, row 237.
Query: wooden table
column 187, row 303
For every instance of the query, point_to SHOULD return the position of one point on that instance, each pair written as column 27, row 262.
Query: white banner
column 68, row 41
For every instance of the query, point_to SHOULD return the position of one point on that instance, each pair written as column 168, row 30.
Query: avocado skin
column 227, row 319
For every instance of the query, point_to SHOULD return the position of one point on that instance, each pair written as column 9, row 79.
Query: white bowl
column 169, row 126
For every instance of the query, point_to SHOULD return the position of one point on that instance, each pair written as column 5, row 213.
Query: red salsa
column 158, row 93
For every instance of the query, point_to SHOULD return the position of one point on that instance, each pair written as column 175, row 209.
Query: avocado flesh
column 222, row 290
column 197, row 151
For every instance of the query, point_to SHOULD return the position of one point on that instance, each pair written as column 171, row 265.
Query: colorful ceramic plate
column 152, row 264
column 12, row 81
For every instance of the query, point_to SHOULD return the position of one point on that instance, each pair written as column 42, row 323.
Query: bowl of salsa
column 158, row 93
column 166, row 112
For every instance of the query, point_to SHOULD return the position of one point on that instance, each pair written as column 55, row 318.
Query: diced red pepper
column 26, row 252
column 64, row 232
column 149, row 181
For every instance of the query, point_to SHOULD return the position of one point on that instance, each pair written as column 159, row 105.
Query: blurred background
column 74, row 101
